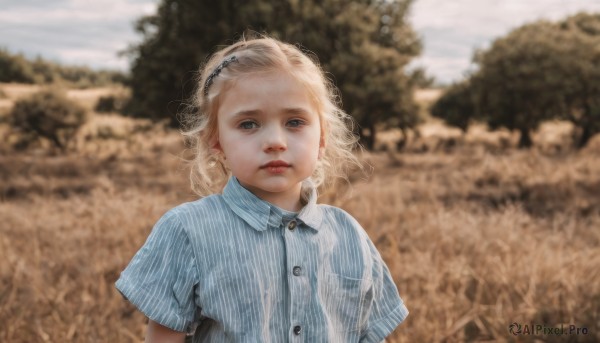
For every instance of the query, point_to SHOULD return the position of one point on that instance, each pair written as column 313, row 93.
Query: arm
column 156, row 333
column 388, row 309
column 161, row 280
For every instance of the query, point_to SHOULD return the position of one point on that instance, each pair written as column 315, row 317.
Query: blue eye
column 295, row 122
column 248, row 125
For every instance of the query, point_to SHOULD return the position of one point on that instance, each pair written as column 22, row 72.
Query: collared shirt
column 235, row 268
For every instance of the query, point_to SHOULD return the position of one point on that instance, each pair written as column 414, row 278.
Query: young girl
column 262, row 261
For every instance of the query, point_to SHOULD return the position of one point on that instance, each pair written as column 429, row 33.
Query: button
column 292, row 225
column 296, row 271
column 297, row 330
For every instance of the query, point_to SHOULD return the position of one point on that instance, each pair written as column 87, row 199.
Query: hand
column 156, row 333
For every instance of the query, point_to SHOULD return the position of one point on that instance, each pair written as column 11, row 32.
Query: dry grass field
column 476, row 233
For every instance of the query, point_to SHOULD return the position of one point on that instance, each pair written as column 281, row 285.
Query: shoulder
column 207, row 203
column 352, row 249
column 189, row 214
column 337, row 217
column 212, row 205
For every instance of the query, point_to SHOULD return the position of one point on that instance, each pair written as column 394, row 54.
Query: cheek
column 310, row 144
column 227, row 140
column 238, row 150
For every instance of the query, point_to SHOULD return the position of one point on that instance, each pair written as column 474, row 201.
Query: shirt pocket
column 346, row 301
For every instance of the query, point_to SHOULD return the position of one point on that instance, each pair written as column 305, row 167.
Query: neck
column 292, row 206
column 288, row 200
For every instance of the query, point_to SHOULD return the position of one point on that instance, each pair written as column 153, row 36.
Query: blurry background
column 480, row 120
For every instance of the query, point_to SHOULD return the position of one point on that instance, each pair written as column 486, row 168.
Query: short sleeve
column 388, row 309
column 160, row 280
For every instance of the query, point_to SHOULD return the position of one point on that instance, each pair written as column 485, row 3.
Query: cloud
column 72, row 11
column 452, row 30
column 78, row 32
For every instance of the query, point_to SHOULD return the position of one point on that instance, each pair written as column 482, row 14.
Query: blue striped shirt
column 235, row 268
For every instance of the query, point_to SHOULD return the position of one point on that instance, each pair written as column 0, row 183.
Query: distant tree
column 421, row 79
column 582, row 92
column 14, row 68
column 17, row 68
column 519, row 79
column 365, row 45
column 587, row 23
column 456, row 106
column 47, row 114
column 542, row 71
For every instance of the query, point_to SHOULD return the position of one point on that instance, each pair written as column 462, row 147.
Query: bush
column 110, row 103
column 47, row 114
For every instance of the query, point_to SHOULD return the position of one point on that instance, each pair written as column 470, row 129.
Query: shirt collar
column 259, row 214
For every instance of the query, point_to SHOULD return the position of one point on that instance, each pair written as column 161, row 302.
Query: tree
column 177, row 39
column 14, row 68
column 542, row 70
column 421, row 79
column 456, row 106
column 364, row 44
column 519, row 79
column 17, row 68
column 582, row 96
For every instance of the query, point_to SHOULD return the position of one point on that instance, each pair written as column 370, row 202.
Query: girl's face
column 270, row 134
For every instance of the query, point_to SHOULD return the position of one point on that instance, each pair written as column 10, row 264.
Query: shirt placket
column 298, row 279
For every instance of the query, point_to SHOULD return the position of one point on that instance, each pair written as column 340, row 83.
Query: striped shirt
column 234, row 268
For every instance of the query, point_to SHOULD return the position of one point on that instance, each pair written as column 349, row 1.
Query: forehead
column 265, row 92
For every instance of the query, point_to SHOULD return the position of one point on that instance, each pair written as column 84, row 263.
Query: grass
column 477, row 234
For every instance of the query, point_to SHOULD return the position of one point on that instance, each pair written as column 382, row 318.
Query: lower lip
column 276, row 170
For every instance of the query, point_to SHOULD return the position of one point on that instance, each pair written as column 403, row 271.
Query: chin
column 276, row 187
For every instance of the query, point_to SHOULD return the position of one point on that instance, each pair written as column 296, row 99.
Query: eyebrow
column 246, row 113
column 253, row 113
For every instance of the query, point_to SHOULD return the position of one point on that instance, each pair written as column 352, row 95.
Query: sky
column 453, row 29
column 93, row 32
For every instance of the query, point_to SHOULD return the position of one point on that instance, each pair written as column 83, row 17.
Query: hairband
column 216, row 73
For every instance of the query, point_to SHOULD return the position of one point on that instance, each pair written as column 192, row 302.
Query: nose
column 274, row 139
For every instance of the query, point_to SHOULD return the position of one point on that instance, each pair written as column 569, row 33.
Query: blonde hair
column 208, row 173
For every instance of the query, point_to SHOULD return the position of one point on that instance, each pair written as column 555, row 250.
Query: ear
column 323, row 133
column 321, row 152
column 215, row 146
column 322, row 144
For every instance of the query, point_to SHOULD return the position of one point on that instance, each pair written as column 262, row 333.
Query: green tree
column 456, row 106
column 581, row 96
column 519, row 79
column 540, row 71
column 364, row 44
column 15, row 68
column 421, row 79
